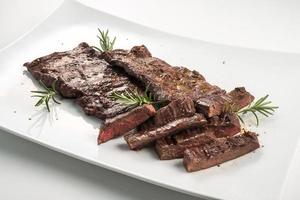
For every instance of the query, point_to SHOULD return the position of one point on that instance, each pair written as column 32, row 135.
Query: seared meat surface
column 142, row 139
column 170, row 83
column 176, row 116
column 227, row 124
column 240, row 97
column 81, row 74
column 173, row 146
column 165, row 82
column 220, row 151
column 123, row 123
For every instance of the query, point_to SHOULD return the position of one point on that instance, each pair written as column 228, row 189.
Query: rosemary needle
column 261, row 106
column 133, row 98
column 104, row 41
column 46, row 95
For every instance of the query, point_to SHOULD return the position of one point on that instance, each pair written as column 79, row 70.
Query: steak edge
column 173, row 147
column 125, row 122
column 141, row 139
column 81, row 73
column 218, row 152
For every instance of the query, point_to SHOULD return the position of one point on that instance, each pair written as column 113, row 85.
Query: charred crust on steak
column 141, row 139
column 173, row 146
column 220, row 151
column 240, row 97
column 83, row 75
column 165, row 82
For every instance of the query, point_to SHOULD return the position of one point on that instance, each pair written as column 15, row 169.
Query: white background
column 33, row 172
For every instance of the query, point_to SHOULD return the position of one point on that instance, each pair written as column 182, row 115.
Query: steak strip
column 165, row 82
column 227, row 124
column 240, row 97
column 81, row 73
column 125, row 122
column 218, row 152
column 212, row 104
column 168, row 83
column 174, row 110
column 219, row 126
column 141, row 139
column 174, row 146
column 216, row 103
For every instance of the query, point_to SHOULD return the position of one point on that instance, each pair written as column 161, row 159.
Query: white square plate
column 66, row 129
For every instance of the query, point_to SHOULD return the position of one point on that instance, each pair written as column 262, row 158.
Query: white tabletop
column 34, row 172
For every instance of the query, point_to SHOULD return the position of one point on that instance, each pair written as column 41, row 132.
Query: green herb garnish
column 46, row 95
column 261, row 106
column 104, row 41
column 133, row 98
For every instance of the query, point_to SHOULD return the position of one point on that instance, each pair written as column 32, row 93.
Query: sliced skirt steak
column 142, row 139
column 81, row 73
column 220, row 151
column 164, row 81
column 172, row 147
column 123, row 123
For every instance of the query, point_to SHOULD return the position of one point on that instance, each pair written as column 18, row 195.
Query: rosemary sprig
column 46, row 95
column 104, row 41
column 261, row 106
column 133, row 98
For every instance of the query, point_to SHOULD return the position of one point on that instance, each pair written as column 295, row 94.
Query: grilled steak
column 212, row 104
column 176, row 109
column 169, row 83
column 125, row 122
column 80, row 73
column 218, row 152
column 165, row 82
column 227, row 124
column 141, row 139
column 240, row 97
column 172, row 147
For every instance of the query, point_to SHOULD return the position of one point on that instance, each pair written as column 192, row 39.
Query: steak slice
column 216, row 103
column 240, row 97
column 174, row 110
column 172, row 147
column 141, row 139
column 227, row 124
column 125, row 122
column 218, row 152
column 168, row 83
column 165, row 82
column 81, row 74
column 74, row 70
column 212, row 104
column 224, row 125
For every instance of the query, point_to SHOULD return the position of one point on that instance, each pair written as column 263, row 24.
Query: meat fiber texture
column 166, row 82
column 123, row 123
column 173, row 118
column 173, row 146
column 81, row 73
column 220, row 151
